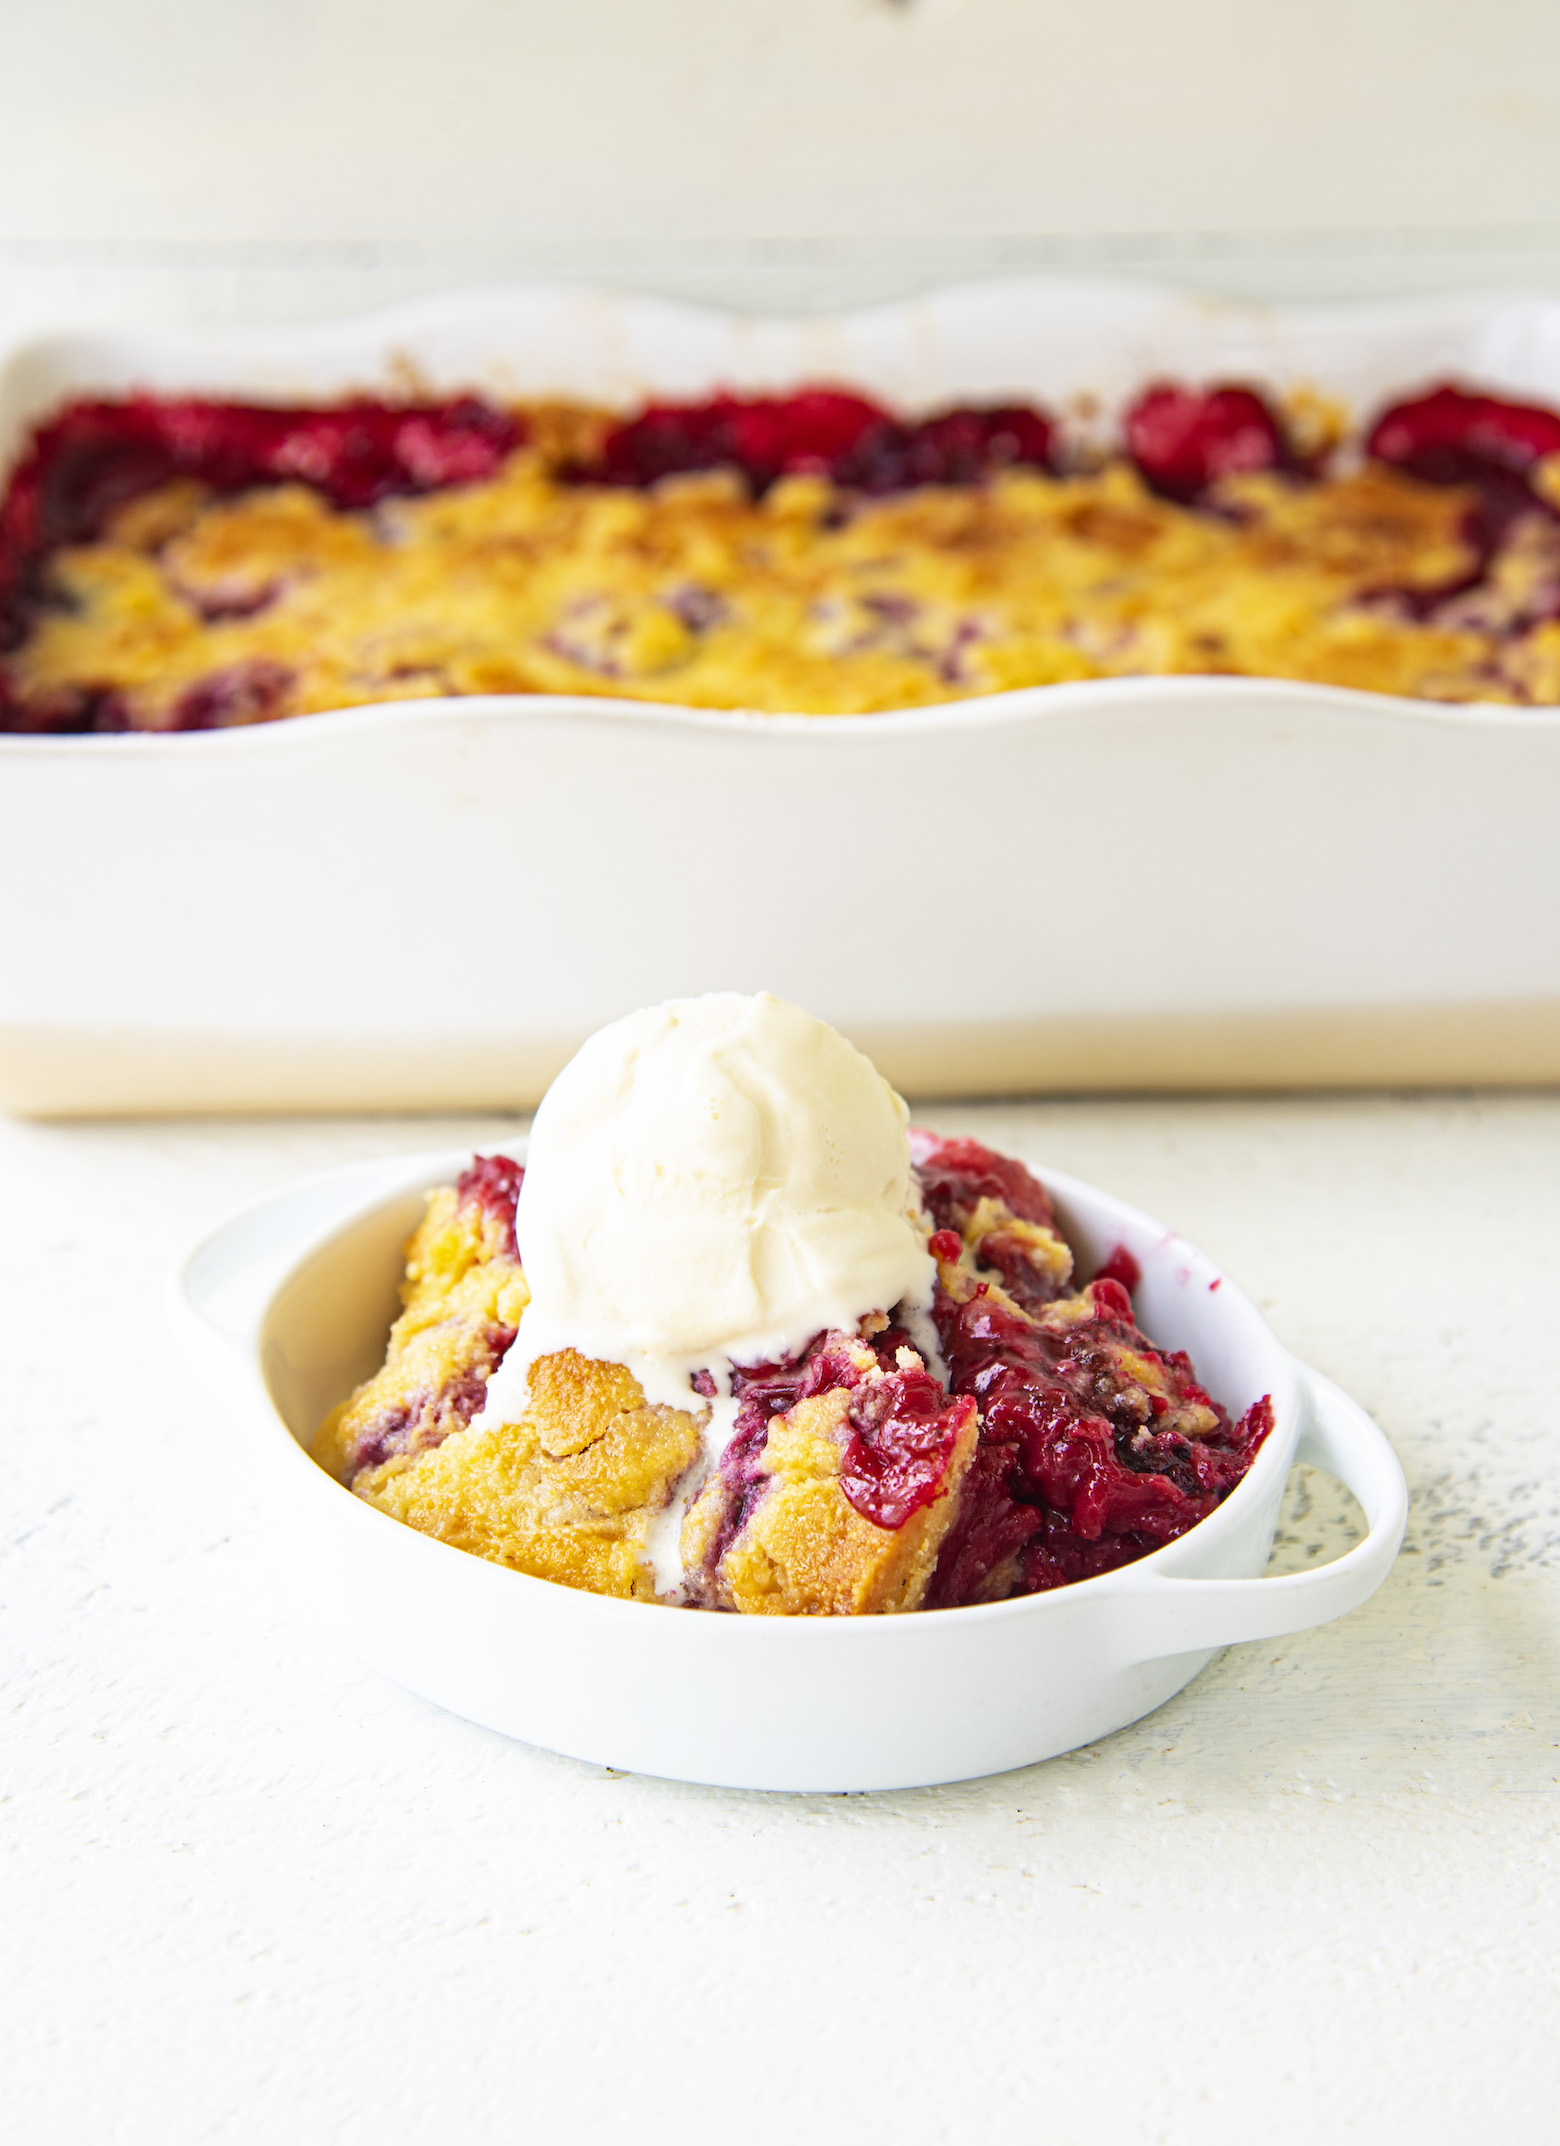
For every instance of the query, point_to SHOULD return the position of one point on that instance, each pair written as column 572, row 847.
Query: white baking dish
column 289, row 1304
column 1134, row 883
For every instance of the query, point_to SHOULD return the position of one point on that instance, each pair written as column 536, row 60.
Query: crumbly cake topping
column 809, row 554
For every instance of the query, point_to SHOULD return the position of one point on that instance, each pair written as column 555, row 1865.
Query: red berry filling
column 1183, row 440
column 956, row 1175
column 252, row 692
column 1449, row 436
column 820, row 432
column 1077, row 1470
column 1120, row 1267
column 1094, row 1447
column 493, row 1183
column 64, row 711
column 903, row 1430
column 1076, row 1477
column 902, row 1435
column 764, row 436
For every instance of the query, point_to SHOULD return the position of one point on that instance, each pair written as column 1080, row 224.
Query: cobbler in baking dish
column 187, row 565
column 1051, row 1442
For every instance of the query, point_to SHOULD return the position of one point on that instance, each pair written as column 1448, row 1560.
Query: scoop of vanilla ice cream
column 712, row 1181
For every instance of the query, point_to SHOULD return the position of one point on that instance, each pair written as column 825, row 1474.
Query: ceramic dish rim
column 975, row 712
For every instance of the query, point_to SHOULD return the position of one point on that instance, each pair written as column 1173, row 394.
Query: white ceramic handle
column 220, row 1290
column 1194, row 1614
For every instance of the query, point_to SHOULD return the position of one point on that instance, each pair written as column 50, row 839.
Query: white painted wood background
column 270, row 158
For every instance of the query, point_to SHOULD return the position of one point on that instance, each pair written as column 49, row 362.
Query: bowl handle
column 1194, row 1614
column 218, row 1293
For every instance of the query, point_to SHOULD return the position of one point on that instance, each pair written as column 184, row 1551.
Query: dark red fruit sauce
column 493, row 1183
column 822, row 432
column 1185, row 439
column 1120, row 1266
column 1452, row 437
column 903, row 1429
column 1068, row 1480
column 956, row 1175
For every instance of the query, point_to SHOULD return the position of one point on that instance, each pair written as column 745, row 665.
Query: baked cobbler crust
column 569, row 1493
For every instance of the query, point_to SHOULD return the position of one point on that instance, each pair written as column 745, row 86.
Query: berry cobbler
column 178, row 565
column 1005, row 1430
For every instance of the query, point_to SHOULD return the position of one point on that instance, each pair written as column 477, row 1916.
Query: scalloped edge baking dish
column 285, row 1306
column 1135, row 883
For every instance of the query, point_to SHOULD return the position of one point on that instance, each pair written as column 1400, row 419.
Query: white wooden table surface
column 257, row 1894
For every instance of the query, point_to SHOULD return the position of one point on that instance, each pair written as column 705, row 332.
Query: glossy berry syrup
column 1450, row 436
column 902, row 1430
column 1078, row 1469
column 903, row 1427
column 1184, row 440
column 822, row 432
column 1071, row 1477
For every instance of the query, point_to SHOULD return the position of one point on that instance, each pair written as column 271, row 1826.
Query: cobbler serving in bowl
column 1003, row 1429
column 176, row 565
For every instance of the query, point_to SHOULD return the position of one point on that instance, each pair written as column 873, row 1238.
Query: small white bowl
column 291, row 1300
